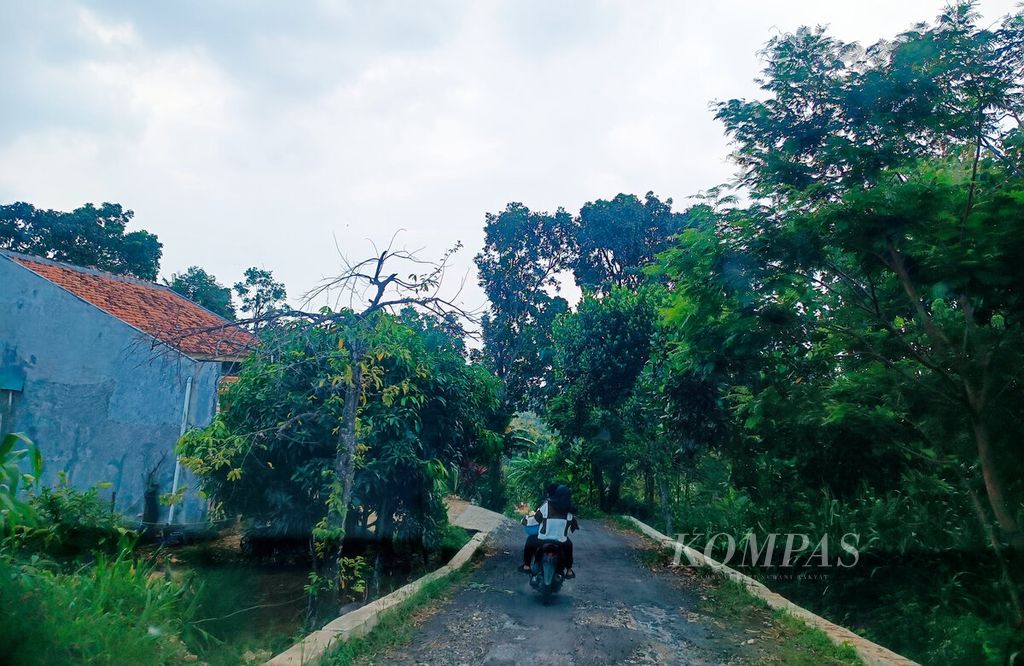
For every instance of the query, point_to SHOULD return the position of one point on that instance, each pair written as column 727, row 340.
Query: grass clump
column 112, row 611
column 71, row 590
column 810, row 646
column 796, row 643
column 453, row 538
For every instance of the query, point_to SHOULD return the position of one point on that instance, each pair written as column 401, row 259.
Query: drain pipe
column 10, row 410
column 185, row 409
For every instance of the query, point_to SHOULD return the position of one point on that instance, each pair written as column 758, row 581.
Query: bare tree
column 375, row 287
column 389, row 281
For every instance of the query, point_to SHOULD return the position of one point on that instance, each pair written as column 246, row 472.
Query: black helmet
column 561, row 499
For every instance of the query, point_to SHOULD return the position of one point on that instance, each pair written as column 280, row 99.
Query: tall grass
column 112, row 611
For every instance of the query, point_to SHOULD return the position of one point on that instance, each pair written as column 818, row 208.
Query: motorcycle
column 547, row 575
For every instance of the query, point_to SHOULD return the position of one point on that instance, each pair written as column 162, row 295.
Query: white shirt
column 553, row 528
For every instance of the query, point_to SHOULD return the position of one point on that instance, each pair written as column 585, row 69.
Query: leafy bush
column 953, row 634
column 353, row 573
column 112, row 610
column 72, row 523
column 269, row 455
column 528, row 476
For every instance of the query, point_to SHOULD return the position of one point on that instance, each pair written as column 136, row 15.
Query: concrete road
column 616, row 611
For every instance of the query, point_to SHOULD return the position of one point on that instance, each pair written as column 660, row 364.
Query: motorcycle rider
column 557, row 517
column 532, row 527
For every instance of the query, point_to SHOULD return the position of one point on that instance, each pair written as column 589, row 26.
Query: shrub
column 528, row 476
column 72, row 523
column 453, row 538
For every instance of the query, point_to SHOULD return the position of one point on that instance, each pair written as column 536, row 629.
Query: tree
column 892, row 193
column 860, row 317
column 87, row 236
column 840, row 115
column 382, row 292
column 524, row 255
column 269, row 456
column 615, row 240
column 259, row 294
column 200, row 287
column 356, row 348
column 600, row 351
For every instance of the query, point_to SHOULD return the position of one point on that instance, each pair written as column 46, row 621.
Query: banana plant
column 14, row 511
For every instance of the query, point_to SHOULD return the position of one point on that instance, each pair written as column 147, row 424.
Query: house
column 104, row 373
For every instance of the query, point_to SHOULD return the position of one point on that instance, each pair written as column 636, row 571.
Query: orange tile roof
column 152, row 308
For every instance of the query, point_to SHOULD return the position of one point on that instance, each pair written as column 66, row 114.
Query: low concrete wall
column 362, row 620
column 871, row 653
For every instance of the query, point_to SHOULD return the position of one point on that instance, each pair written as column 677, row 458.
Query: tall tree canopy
column 199, row 286
column 525, row 252
column 861, row 319
column 615, row 240
column 839, row 115
column 893, row 211
column 528, row 256
column 258, row 293
column 87, row 236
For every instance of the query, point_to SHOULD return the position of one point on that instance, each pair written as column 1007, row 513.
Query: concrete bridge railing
column 870, row 653
column 362, row 620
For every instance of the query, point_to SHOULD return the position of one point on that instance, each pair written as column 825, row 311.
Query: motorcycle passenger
column 557, row 518
column 532, row 527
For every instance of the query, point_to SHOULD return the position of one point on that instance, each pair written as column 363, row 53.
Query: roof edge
column 89, row 270
column 13, row 256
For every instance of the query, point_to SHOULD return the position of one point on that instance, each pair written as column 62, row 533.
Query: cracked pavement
column 616, row 611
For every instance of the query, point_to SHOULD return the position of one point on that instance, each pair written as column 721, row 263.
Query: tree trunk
column 614, row 490
column 344, row 473
column 382, row 528
column 598, row 475
column 649, row 488
column 1008, row 581
column 375, row 586
column 994, row 487
column 666, row 508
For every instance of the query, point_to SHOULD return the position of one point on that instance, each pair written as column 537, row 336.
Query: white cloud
column 250, row 134
column 107, row 33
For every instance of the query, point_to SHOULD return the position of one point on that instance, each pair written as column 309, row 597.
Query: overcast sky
column 246, row 133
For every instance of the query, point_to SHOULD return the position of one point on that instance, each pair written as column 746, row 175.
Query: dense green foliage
column 601, row 348
column 614, row 240
column 72, row 589
column 200, row 287
column 87, row 236
column 528, row 255
column 269, row 455
column 524, row 254
column 70, row 523
column 837, row 351
column 16, row 452
column 113, row 611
